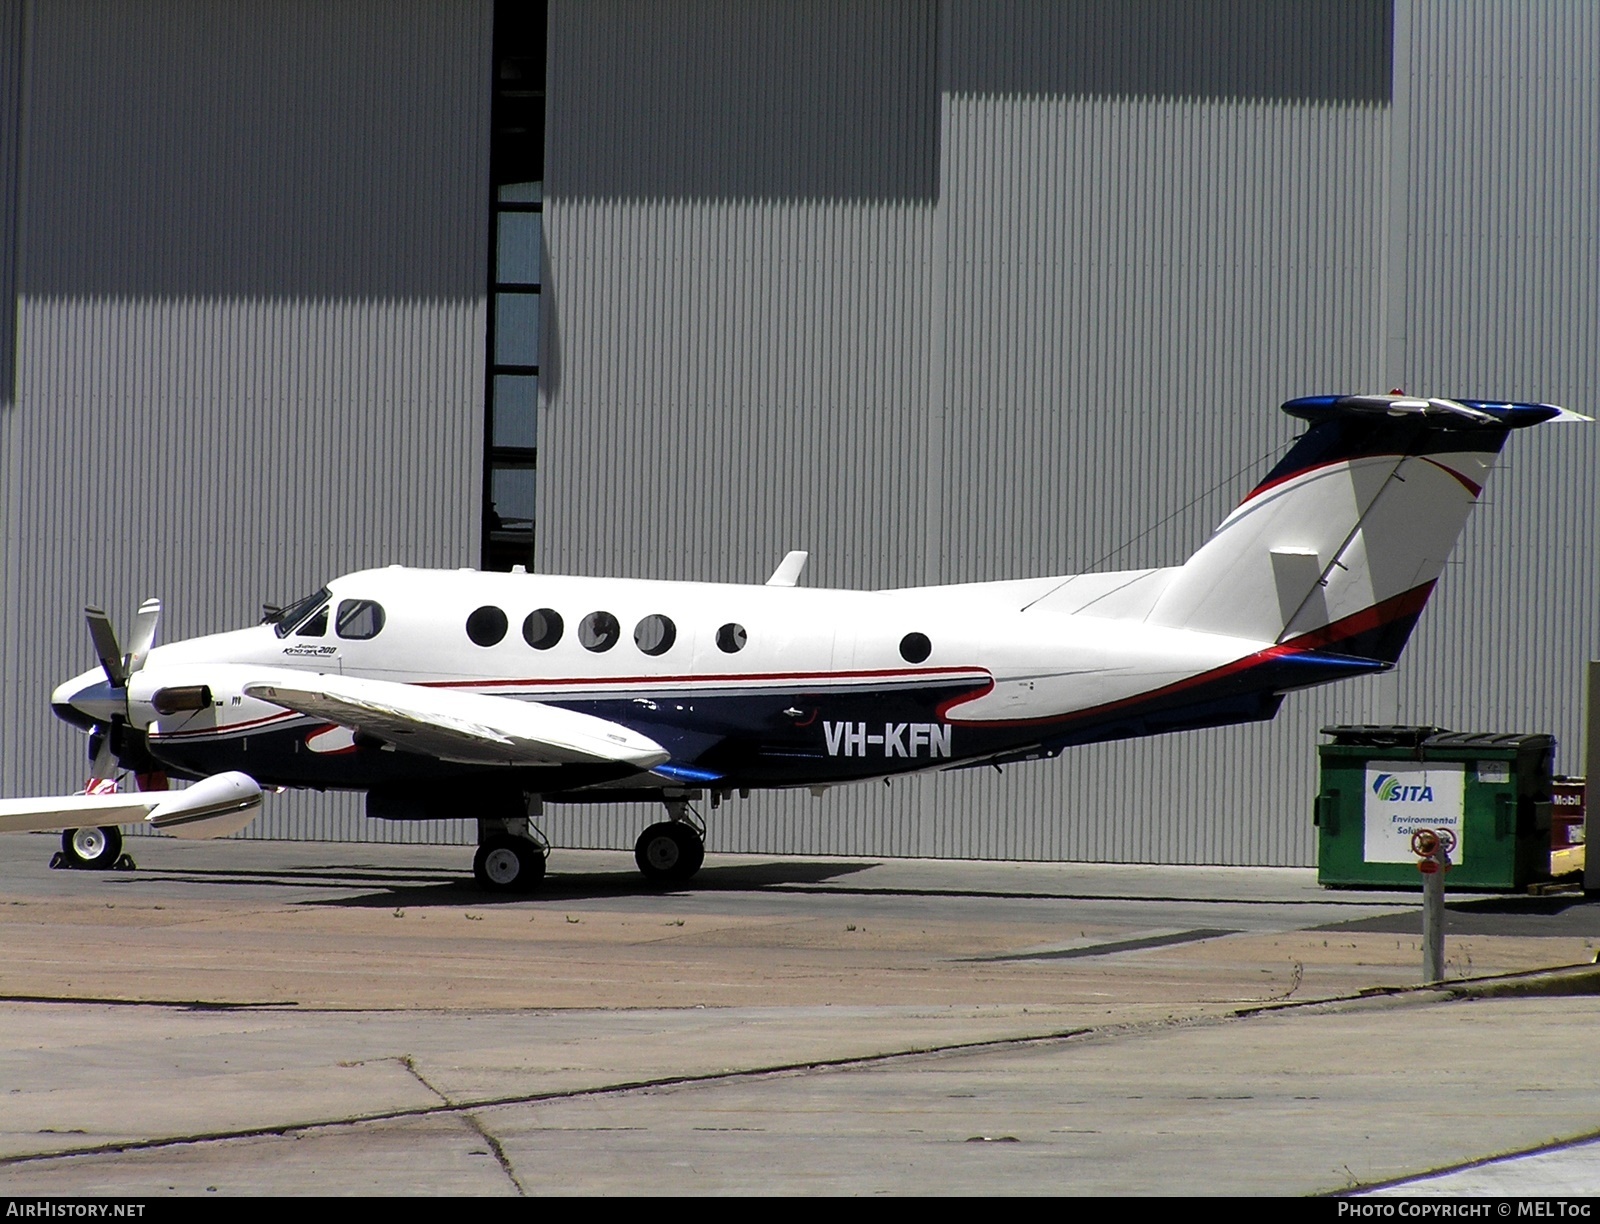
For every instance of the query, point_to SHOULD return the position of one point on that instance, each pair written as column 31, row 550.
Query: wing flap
column 469, row 728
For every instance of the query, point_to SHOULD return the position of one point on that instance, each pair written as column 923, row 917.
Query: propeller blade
column 103, row 764
column 105, row 646
column 144, row 633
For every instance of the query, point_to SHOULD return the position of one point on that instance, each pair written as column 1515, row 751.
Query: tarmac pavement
column 250, row 1017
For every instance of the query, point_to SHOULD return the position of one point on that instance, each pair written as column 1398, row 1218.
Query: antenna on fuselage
column 788, row 571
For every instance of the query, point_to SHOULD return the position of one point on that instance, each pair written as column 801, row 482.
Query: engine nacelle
column 215, row 807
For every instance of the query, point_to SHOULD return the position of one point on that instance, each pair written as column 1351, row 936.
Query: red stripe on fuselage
column 1376, row 617
column 1397, row 607
column 228, row 729
column 931, row 674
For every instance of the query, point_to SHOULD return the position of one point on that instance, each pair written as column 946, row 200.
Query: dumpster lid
column 1489, row 739
column 1377, row 735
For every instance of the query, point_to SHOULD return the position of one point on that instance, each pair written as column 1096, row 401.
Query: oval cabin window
column 542, row 629
column 915, row 647
column 599, row 631
column 486, row 626
column 655, row 634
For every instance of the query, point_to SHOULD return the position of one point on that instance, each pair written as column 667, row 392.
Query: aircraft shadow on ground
column 387, row 888
column 579, row 886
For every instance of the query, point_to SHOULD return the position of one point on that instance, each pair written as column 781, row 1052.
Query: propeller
column 106, row 742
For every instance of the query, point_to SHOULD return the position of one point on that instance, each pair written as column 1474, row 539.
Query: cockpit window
column 359, row 619
column 284, row 621
column 315, row 625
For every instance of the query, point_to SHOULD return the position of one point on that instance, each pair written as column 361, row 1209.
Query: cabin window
column 542, row 629
column 359, row 619
column 655, row 634
column 731, row 638
column 486, row 626
column 599, row 631
column 915, row 647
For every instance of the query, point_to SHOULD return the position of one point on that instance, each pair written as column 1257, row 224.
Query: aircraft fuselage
column 745, row 686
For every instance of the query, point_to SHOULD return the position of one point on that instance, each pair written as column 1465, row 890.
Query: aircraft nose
column 88, row 699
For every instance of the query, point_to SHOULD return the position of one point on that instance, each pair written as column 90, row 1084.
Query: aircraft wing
column 472, row 728
column 53, row 812
column 213, row 807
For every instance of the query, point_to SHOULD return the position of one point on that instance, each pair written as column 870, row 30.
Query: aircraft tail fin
column 1340, row 545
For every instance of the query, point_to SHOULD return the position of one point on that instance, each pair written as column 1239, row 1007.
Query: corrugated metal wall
column 939, row 290
column 249, row 323
column 1502, row 289
column 11, row 61
column 1152, row 223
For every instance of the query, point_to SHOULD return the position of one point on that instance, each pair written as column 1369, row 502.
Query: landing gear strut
column 671, row 852
column 511, row 851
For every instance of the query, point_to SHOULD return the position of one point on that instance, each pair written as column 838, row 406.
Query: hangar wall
column 1053, row 338
column 940, row 290
column 248, row 248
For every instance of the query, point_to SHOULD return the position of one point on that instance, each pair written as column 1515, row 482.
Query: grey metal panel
column 11, row 63
column 288, row 148
column 837, row 99
column 707, row 369
column 1311, row 51
column 970, row 391
column 1076, row 338
column 1503, row 242
column 1070, row 359
column 281, row 378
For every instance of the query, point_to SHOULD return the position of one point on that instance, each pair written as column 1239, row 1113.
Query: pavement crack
column 471, row 1119
column 498, row 1152
column 467, row 1109
column 410, row 1064
column 448, row 1107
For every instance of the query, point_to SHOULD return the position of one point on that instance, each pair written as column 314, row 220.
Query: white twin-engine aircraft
column 444, row 694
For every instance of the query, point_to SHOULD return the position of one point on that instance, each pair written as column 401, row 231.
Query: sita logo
column 1390, row 789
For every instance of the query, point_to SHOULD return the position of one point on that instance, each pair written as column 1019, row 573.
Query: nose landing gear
column 90, row 848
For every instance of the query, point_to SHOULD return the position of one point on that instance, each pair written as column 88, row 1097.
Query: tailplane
column 1340, row 545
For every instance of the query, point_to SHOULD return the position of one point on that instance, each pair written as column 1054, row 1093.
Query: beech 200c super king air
column 444, row 694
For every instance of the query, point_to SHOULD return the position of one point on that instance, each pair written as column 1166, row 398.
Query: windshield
column 284, row 621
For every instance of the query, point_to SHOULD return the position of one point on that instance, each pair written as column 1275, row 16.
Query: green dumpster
column 1379, row 785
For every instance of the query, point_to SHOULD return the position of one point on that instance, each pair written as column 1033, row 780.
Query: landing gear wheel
column 508, row 864
column 93, row 849
column 669, row 852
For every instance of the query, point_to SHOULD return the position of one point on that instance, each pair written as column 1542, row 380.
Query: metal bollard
column 1432, row 848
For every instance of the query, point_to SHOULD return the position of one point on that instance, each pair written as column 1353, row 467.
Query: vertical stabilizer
column 1340, row 545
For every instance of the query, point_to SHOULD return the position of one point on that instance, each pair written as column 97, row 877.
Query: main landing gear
column 511, row 851
column 671, row 852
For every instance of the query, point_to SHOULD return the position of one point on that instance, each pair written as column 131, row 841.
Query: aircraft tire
column 669, row 852
column 508, row 864
column 91, row 848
